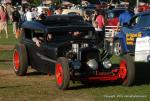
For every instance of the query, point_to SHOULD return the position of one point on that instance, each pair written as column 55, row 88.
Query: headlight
column 93, row 64
column 107, row 64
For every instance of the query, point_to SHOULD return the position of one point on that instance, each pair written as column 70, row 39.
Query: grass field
column 11, row 40
column 39, row 87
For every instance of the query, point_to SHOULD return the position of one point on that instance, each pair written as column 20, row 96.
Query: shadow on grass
column 142, row 73
column 93, row 85
column 4, row 87
column 6, row 61
column 142, row 77
column 35, row 73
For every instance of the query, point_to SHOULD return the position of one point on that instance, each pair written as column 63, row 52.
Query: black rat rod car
column 71, row 53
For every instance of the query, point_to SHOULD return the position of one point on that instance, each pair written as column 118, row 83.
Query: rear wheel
column 62, row 73
column 127, row 70
column 20, row 61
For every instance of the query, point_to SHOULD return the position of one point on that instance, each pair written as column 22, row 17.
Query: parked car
column 126, row 41
column 134, row 40
column 73, row 11
column 71, row 54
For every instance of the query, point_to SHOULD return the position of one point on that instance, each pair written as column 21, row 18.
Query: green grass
column 6, row 55
column 11, row 37
column 38, row 87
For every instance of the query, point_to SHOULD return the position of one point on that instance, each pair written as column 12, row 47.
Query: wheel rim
column 59, row 74
column 117, row 49
column 123, row 70
column 16, row 60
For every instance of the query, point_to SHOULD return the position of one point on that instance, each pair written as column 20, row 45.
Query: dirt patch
column 40, row 87
column 6, row 47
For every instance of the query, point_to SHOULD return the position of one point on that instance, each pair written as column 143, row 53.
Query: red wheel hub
column 16, row 60
column 59, row 74
column 123, row 69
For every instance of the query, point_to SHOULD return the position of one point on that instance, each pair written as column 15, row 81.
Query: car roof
column 32, row 25
column 143, row 13
column 58, row 23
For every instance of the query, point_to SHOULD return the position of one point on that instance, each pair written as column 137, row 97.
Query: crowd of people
column 3, row 20
column 17, row 15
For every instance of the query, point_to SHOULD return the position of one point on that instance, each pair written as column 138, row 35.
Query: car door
column 37, row 55
column 133, row 31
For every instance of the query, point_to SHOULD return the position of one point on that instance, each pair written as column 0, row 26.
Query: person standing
column 22, row 15
column 124, row 18
column 43, row 15
column 99, row 25
column 16, row 20
column 3, row 21
column 9, row 12
column 59, row 11
column 35, row 13
column 87, row 18
column 100, row 20
column 29, row 15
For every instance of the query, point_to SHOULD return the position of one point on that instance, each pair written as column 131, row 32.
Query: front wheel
column 118, row 50
column 62, row 73
column 127, row 70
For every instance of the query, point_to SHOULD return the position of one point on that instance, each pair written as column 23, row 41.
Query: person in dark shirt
column 15, row 19
column 38, row 38
column 43, row 15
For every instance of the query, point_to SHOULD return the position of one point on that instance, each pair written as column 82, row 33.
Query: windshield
column 70, row 35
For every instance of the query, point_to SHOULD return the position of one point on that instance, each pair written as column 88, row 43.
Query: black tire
column 128, row 62
column 62, row 67
column 118, row 48
column 20, row 60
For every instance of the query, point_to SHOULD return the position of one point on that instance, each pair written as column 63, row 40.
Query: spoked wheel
column 62, row 73
column 20, row 61
column 118, row 48
column 127, row 70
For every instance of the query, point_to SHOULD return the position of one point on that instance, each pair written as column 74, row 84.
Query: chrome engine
column 83, row 57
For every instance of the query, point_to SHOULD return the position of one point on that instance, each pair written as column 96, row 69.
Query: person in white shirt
column 29, row 15
column 35, row 13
